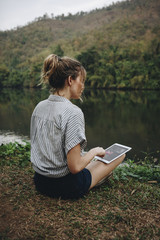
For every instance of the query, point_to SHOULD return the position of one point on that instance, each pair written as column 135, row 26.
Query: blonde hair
column 56, row 70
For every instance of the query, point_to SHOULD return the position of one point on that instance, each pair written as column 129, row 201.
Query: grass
column 126, row 208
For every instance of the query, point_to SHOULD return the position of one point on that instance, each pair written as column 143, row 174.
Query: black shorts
column 71, row 186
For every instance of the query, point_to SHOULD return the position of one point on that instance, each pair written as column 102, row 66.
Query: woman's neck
column 63, row 93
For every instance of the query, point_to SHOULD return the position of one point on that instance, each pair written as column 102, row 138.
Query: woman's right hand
column 76, row 162
column 98, row 151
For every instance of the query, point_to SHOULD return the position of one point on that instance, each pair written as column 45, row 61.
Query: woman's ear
column 69, row 80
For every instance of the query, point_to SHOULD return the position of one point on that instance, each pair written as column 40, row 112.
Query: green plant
column 141, row 172
column 15, row 154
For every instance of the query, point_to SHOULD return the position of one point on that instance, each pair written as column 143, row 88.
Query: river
column 127, row 117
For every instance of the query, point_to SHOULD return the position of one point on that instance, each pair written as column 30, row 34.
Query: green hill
column 119, row 46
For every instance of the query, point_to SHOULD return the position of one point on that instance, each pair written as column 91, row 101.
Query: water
column 126, row 117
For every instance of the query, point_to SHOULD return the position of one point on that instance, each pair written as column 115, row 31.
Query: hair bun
column 56, row 70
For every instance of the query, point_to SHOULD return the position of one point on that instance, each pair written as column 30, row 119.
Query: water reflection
column 130, row 117
column 8, row 136
column 16, row 107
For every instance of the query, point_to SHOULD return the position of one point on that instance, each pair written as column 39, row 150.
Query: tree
column 4, row 75
column 59, row 51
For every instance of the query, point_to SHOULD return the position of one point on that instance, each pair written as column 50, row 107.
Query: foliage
column 59, row 51
column 4, row 74
column 118, row 45
column 15, row 154
column 111, row 68
column 144, row 172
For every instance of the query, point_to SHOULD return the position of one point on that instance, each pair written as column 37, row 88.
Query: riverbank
column 128, row 207
column 10, row 137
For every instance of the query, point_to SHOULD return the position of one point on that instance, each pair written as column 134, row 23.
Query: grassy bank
column 127, row 207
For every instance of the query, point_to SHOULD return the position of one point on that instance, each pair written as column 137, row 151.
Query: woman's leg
column 99, row 170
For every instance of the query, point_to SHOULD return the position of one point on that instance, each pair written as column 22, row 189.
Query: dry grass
column 128, row 210
column 121, row 209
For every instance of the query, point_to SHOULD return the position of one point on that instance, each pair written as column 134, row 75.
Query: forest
column 119, row 46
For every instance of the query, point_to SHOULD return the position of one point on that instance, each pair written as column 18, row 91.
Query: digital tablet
column 113, row 152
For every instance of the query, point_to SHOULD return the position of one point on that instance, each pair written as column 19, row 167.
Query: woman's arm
column 76, row 162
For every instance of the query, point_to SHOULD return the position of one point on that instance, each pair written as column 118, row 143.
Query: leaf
column 133, row 192
column 152, row 182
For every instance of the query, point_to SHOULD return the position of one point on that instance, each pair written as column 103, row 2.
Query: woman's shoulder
column 41, row 103
column 40, row 106
column 75, row 109
column 71, row 111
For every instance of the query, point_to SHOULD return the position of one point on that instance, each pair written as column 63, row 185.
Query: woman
column 58, row 135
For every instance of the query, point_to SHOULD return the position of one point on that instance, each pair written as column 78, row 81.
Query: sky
column 15, row 13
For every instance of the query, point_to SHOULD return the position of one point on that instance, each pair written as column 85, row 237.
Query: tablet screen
column 114, row 151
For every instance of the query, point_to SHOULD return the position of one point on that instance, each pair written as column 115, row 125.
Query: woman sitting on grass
column 58, row 136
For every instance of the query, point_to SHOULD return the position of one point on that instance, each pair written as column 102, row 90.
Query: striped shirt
column 57, row 125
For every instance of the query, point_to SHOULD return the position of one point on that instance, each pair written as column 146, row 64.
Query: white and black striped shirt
column 57, row 125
